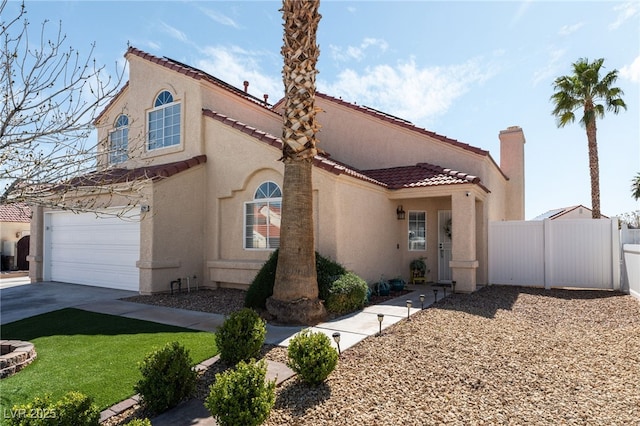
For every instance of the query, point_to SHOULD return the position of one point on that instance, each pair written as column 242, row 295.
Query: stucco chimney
column 512, row 164
column 246, row 86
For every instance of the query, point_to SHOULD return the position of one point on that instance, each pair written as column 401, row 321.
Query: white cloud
column 632, row 72
column 235, row 65
column 570, row 29
column 358, row 53
column 406, row 90
column 220, row 18
column 625, row 11
column 174, row 32
column 522, row 10
column 548, row 73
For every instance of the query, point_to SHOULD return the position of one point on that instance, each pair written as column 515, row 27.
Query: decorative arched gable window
column 164, row 122
column 262, row 218
column 119, row 140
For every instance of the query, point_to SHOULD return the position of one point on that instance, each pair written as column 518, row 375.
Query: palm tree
column 635, row 187
column 295, row 293
column 586, row 91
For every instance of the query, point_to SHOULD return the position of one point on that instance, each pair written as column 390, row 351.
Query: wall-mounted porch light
column 400, row 212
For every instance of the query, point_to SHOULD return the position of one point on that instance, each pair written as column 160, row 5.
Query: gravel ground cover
column 502, row 355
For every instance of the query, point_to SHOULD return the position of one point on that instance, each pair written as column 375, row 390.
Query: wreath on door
column 447, row 228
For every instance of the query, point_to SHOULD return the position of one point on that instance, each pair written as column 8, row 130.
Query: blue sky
column 465, row 70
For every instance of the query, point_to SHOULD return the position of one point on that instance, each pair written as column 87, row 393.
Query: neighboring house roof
column 121, row 175
column 420, row 175
column 18, row 213
column 556, row 213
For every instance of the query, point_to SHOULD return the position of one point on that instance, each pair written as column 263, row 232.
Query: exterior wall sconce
column 400, row 213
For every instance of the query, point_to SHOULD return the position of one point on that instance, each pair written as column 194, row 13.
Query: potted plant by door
column 418, row 270
column 397, row 284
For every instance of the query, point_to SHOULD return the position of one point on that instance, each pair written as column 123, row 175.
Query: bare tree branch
column 50, row 96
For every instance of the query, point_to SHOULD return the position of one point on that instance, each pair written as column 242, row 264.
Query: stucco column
column 36, row 244
column 463, row 224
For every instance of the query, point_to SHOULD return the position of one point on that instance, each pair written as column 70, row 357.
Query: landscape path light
column 336, row 337
column 380, row 318
column 422, row 301
column 435, row 294
column 408, row 308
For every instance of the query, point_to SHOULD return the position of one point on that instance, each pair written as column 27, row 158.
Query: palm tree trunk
column 594, row 169
column 295, row 292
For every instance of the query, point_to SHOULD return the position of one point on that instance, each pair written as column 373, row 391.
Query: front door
column 444, row 246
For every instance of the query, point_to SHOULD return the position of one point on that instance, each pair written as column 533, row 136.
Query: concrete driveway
column 19, row 300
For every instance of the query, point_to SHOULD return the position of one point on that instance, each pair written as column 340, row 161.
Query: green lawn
column 92, row 353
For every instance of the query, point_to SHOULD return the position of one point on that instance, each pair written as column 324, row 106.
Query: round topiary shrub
column 241, row 396
column 348, row 293
column 139, row 422
column 167, row 378
column 74, row 409
column 241, row 336
column 311, row 356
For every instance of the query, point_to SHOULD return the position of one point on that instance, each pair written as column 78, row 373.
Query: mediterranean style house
column 386, row 192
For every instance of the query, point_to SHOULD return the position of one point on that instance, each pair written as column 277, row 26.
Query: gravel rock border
column 502, row 355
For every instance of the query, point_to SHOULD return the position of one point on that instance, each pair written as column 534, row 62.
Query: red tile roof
column 420, row 175
column 122, row 175
column 18, row 212
column 197, row 74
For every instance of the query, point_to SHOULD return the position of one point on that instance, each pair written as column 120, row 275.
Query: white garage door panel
column 103, row 251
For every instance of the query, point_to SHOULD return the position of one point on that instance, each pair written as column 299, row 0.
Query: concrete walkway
column 26, row 300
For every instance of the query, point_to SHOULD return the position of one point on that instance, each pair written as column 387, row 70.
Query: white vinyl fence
column 630, row 276
column 562, row 253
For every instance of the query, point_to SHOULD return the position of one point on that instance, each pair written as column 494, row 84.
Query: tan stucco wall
column 172, row 233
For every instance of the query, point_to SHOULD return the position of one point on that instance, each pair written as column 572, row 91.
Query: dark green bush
column 311, row 356
column 74, row 409
column 242, row 396
column 167, row 378
column 241, row 336
column 346, row 294
column 262, row 285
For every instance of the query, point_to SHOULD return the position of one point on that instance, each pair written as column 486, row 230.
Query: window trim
column 255, row 200
column 123, row 150
column 162, row 107
column 409, row 222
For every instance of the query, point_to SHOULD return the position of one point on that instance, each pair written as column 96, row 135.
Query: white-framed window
column 164, row 122
column 119, row 140
column 262, row 218
column 417, row 230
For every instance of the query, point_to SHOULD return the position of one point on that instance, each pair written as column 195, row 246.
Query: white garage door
column 98, row 251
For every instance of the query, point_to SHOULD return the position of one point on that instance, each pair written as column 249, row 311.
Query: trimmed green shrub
column 242, row 396
column 167, row 378
column 74, row 409
column 241, row 336
column 262, row 285
column 139, row 422
column 348, row 293
column 311, row 356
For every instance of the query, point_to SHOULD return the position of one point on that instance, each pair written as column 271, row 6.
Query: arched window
column 119, row 140
column 164, row 122
column 262, row 218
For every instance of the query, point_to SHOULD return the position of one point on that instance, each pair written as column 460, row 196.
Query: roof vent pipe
column 266, row 96
column 246, row 86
